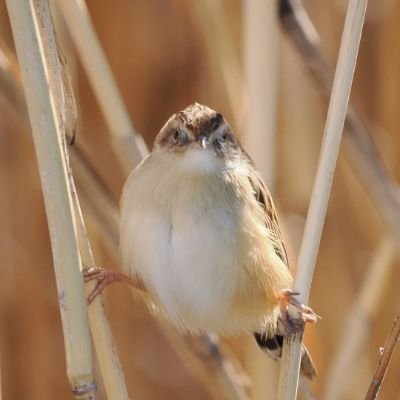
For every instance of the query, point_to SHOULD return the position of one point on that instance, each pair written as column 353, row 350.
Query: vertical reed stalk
column 213, row 22
column 110, row 366
column 289, row 375
column 128, row 144
column 261, row 67
column 372, row 171
column 384, row 360
column 260, row 58
column 66, row 112
column 57, row 197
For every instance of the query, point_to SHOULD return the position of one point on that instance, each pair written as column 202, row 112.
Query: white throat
column 202, row 161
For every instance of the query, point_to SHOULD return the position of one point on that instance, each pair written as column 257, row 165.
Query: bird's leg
column 294, row 325
column 105, row 277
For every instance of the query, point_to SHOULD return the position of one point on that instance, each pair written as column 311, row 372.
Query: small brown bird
column 199, row 233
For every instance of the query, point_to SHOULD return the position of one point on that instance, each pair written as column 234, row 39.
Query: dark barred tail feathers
column 273, row 347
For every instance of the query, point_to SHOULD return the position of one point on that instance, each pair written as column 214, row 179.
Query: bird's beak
column 203, row 141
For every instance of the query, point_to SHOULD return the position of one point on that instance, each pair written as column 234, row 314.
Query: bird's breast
column 190, row 244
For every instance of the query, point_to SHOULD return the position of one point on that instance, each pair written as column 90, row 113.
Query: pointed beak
column 203, row 142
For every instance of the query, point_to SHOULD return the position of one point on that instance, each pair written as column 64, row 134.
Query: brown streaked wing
column 263, row 196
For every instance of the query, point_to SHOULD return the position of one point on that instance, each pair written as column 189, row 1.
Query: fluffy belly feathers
column 204, row 261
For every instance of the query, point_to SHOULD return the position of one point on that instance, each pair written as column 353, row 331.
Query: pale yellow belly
column 204, row 255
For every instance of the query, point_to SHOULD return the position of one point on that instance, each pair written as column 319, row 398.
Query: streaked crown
column 197, row 126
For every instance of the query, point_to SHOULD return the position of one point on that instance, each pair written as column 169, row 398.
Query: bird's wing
column 272, row 345
column 265, row 200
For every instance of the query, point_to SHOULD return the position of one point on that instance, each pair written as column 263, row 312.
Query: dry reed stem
column 260, row 59
column 59, row 209
column 288, row 381
column 100, row 202
column 217, row 373
column 58, row 79
column 128, row 144
column 380, row 188
column 211, row 19
column 261, row 67
column 357, row 326
column 383, row 363
column 65, row 109
column 90, row 185
column 110, row 366
column 370, row 168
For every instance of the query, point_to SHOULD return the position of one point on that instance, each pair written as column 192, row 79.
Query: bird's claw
column 294, row 325
column 105, row 277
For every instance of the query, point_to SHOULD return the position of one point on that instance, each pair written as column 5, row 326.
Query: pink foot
column 104, row 278
column 293, row 325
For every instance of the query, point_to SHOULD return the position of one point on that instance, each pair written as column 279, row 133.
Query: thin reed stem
column 288, row 381
column 372, row 171
column 260, row 59
column 261, row 77
column 384, row 360
column 213, row 23
column 128, row 144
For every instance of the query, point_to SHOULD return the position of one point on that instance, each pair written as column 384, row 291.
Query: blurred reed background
column 233, row 56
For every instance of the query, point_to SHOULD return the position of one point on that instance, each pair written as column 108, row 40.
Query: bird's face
column 200, row 138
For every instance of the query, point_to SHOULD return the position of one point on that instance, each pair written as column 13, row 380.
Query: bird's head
column 200, row 136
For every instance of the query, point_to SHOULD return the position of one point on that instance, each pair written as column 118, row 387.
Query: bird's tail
column 273, row 347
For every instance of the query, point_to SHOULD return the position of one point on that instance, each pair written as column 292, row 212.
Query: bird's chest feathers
column 194, row 243
column 202, row 265
column 203, row 246
column 183, row 240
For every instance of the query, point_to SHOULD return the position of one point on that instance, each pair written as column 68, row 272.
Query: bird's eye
column 177, row 135
column 223, row 136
